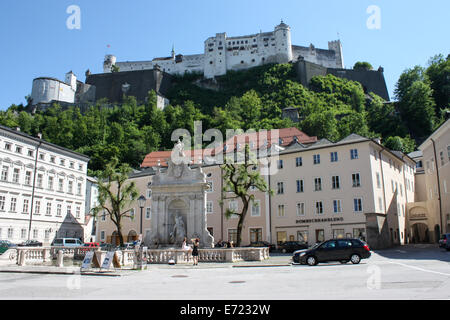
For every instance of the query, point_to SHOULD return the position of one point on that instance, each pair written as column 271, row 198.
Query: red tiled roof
column 256, row 140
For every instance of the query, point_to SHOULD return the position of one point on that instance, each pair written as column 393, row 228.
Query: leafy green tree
column 238, row 179
column 116, row 194
column 362, row 65
column 438, row 72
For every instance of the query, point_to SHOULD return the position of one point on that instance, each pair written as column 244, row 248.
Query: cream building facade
column 352, row 188
column 42, row 189
column 429, row 214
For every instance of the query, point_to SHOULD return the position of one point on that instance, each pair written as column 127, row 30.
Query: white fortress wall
column 45, row 90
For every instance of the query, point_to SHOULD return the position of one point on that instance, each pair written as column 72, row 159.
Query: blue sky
column 35, row 40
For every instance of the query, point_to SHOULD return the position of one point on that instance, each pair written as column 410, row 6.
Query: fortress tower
column 110, row 60
column 336, row 46
column 283, row 43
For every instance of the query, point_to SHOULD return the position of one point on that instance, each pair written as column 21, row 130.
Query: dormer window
column 8, row 146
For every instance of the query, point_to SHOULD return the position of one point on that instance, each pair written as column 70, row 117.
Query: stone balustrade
column 40, row 255
column 179, row 256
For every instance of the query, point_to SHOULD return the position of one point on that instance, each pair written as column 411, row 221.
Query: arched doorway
column 115, row 238
column 420, row 233
column 132, row 236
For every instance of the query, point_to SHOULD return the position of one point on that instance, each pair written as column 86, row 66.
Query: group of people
column 194, row 248
column 223, row 244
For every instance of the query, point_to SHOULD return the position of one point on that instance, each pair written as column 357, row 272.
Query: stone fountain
column 179, row 204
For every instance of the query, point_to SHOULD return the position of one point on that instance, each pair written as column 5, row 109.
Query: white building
column 42, row 189
column 222, row 53
column 46, row 90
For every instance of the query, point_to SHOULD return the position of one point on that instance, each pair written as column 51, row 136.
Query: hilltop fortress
column 223, row 53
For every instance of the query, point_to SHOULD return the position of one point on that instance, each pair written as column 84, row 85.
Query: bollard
column 60, row 259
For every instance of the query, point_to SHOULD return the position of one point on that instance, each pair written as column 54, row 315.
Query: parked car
column 291, row 246
column 127, row 246
column 444, row 242
column 67, row 242
column 31, row 243
column 261, row 244
column 343, row 250
column 5, row 245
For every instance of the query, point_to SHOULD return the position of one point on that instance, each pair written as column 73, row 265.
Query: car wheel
column 312, row 261
column 355, row 258
column 284, row 250
column 343, row 261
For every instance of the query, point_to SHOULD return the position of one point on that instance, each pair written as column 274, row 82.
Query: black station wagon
column 342, row 250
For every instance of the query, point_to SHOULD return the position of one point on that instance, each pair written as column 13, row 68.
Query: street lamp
column 141, row 202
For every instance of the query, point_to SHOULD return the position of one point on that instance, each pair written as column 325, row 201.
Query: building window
column 210, row 186
column 378, row 180
column 317, row 184
column 149, row 193
column 356, row 180
column 280, row 164
column 441, row 156
column 52, row 159
column 354, row 154
column 255, row 235
column 148, row 213
column 357, row 205
column 35, row 233
column 16, row 175
column 233, row 207
column 28, row 178
column 37, row 207
column 334, row 156
column 58, row 209
column 71, row 165
column 10, row 233
column 281, row 212
column 47, row 234
column 42, row 156
column 337, row 206
column 319, row 207
column 2, row 203
column 62, row 162
column 8, row 146
column 70, row 187
column 50, row 183
column 4, row 173
column 61, row 185
column 49, row 209
column 359, row 233
column 80, row 167
column 78, row 212
column 281, row 237
column 335, row 182
column 380, row 203
column 13, row 205
column 23, row 233
column 338, row 233
column 39, row 180
column 26, row 204
column 448, row 153
column 232, row 235
column 300, row 209
column 209, row 207
column 299, row 185
column 298, row 162
column 256, row 206
column 280, row 188
column 18, row 149
column 69, row 210
column 102, row 235
column 302, row 236
column 316, row 158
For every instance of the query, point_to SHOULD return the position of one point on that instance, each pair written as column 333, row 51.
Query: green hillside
column 332, row 108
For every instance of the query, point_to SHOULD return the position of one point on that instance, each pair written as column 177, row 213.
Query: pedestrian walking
column 195, row 251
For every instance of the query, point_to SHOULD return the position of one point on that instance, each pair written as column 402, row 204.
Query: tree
column 238, row 179
column 115, row 194
column 362, row 65
column 438, row 72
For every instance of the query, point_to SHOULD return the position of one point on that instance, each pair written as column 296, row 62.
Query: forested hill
column 331, row 108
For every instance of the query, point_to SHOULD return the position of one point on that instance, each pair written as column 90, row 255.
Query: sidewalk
column 60, row 270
